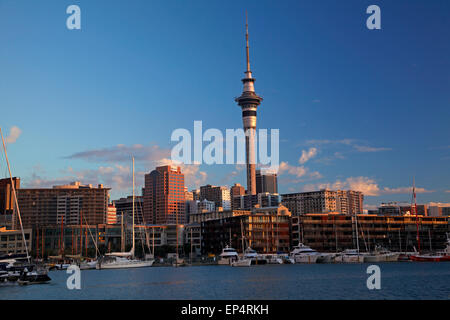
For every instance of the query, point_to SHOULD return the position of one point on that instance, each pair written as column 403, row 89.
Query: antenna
column 246, row 40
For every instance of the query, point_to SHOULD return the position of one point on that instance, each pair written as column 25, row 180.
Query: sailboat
column 351, row 255
column 242, row 261
column 124, row 260
column 29, row 273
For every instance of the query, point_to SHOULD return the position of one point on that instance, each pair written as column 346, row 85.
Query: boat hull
column 349, row 259
column 306, row 258
column 125, row 265
column 423, row 258
column 242, row 263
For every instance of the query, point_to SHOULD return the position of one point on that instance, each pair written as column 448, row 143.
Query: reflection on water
column 322, row 281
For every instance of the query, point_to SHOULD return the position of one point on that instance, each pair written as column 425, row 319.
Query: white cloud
column 307, row 154
column 368, row 186
column 293, row 170
column 353, row 143
column 122, row 153
column 14, row 134
column 404, row 190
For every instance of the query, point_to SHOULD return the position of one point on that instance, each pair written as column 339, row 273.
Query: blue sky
column 369, row 108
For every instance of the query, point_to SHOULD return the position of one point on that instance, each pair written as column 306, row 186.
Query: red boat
column 438, row 257
column 429, row 258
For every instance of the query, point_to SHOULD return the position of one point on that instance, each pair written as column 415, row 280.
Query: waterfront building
column 345, row 202
column 193, row 238
column 11, row 241
column 77, row 239
column 219, row 195
column 67, row 204
column 334, row 232
column 164, row 196
column 266, row 182
column 266, row 230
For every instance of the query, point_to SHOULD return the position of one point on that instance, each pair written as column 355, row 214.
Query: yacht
column 381, row 255
column 304, row 254
column 349, row 256
column 112, row 261
column 255, row 258
column 273, row 259
column 228, row 256
column 241, row 262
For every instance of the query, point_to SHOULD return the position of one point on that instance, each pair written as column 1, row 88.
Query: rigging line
column 95, row 244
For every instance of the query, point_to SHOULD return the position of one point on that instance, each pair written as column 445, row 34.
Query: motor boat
column 381, row 255
column 120, row 262
column 228, row 256
column 349, row 256
column 273, row 259
column 256, row 259
column 242, row 262
column 304, row 254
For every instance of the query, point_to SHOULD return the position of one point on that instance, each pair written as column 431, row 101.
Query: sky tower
column 249, row 102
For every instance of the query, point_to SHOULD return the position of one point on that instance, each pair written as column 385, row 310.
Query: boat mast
column 357, row 235
column 133, row 211
column 242, row 236
column 122, row 243
column 15, row 196
column 415, row 211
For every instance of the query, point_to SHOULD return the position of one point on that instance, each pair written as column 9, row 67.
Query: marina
column 410, row 280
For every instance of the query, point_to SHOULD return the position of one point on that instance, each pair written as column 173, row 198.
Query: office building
column 266, row 182
column 219, row 195
column 345, row 202
column 67, row 204
column 164, row 196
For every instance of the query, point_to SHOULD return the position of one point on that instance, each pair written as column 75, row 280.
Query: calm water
column 321, row 281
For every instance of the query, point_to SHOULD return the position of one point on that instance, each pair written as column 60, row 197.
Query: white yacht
column 119, row 262
column 273, row 259
column 241, row 262
column 228, row 256
column 304, row 254
column 349, row 256
column 255, row 258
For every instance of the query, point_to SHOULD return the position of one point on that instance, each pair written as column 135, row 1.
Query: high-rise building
column 261, row 200
column 322, row 201
column 68, row 204
column 266, row 182
column 249, row 102
column 235, row 191
column 124, row 206
column 164, row 196
column 219, row 195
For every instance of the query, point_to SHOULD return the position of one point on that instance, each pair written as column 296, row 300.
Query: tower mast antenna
column 247, row 46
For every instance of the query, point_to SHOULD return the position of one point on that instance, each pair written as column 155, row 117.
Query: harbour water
column 319, row 281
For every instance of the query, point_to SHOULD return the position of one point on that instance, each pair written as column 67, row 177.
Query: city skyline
column 86, row 111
